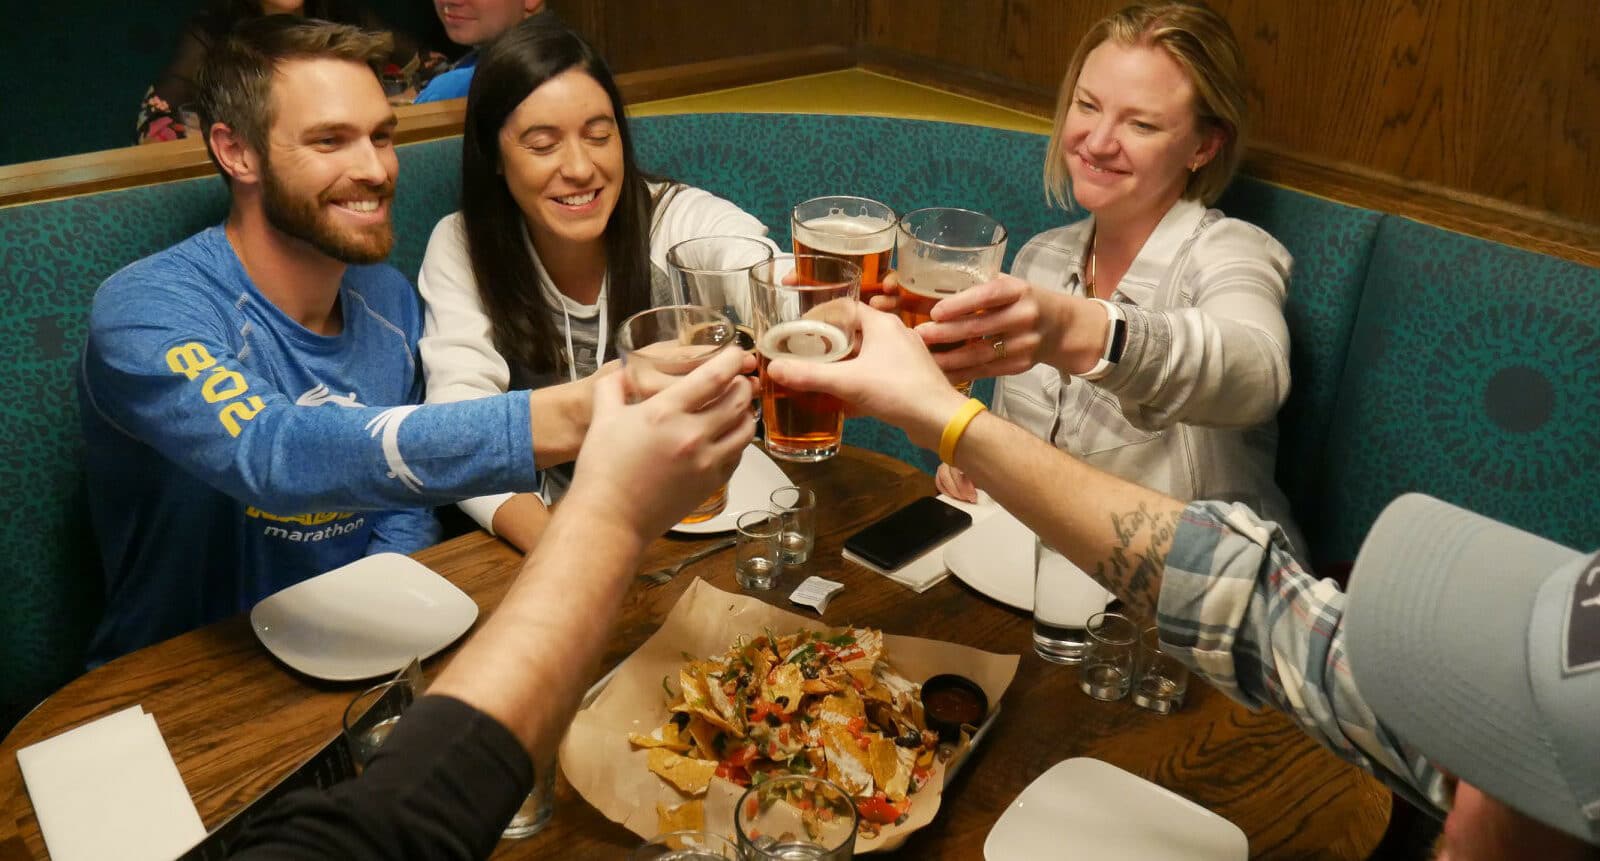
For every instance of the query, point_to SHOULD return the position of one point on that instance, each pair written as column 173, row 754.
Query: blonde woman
column 1147, row 339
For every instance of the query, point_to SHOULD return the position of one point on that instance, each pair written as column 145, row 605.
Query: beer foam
column 842, row 234
column 806, row 340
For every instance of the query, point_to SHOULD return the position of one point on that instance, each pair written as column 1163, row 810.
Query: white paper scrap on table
column 109, row 789
column 928, row 570
column 815, row 592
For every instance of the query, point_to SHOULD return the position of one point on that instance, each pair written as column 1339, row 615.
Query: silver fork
column 662, row 575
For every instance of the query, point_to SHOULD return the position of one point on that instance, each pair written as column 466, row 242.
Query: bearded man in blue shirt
column 250, row 395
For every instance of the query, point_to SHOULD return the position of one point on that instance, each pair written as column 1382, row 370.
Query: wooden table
column 237, row 721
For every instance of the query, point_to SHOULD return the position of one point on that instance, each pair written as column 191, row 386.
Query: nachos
column 825, row 704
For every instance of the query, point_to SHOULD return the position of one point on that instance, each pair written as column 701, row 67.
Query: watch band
column 1116, row 341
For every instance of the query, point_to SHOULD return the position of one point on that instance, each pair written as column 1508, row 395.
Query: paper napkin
column 926, row 571
column 109, row 789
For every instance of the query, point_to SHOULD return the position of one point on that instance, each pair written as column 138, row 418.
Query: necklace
column 1088, row 281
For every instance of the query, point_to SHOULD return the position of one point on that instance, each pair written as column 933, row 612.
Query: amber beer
column 802, row 426
column 923, row 289
column 868, row 243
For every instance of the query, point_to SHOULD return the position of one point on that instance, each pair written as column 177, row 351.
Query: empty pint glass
column 662, row 344
column 714, row 272
column 806, row 310
column 856, row 229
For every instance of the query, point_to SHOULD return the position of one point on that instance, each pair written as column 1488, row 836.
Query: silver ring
column 999, row 345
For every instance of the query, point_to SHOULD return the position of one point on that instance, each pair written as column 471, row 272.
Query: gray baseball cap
column 1480, row 644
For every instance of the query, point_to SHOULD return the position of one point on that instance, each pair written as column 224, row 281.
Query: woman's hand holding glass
column 1019, row 325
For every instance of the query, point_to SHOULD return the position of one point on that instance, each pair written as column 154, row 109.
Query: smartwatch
column 1116, row 341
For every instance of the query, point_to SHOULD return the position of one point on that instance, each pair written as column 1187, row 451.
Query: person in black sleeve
column 457, row 767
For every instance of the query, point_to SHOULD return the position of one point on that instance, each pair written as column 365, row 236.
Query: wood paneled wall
column 1492, row 102
column 637, row 35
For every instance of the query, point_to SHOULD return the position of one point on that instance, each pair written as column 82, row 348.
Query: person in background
column 1462, row 667
column 251, row 397
column 452, row 773
column 1149, row 338
column 473, row 24
column 560, row 237
column 161, row 113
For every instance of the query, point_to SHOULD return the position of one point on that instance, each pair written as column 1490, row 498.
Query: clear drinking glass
column 943, row 251
column 372, row 715
column 1162, row 680
column 714, row 272
column 686, row 846
column 806, row 310
column 1107, row 669
column 798, row 505
column 662, row 344
column 758, row 558
column 796, row 818
column 857, row 229
column 1063, row 599
column 537, row 808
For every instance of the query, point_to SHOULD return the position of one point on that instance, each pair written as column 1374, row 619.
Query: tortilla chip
column 704, row 735
column 690, row 776
column 667, row 736
column 847, row 765
column 840, row 709
column 726, row 713
column 783, row 687
column 688, row 816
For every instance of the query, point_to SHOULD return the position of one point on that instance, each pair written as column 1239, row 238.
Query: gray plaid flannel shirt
column 1238, row 609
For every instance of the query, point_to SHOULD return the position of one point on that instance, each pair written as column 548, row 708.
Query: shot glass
column 686, row 846
column 758, row 559
column 1063, row 599
column 798, row 506
column 537, row 808
column 1107, row 670
column 372, row 715
column 1162, row 680
column 796, row 816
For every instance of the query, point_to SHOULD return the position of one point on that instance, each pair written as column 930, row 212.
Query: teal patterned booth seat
column 1422, row 360
column 55, row 255
column 1473, row 375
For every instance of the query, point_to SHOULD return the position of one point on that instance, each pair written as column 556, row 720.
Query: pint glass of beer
column 851, row 228
column 942, row 252
column 806, row 309
column 661, row 344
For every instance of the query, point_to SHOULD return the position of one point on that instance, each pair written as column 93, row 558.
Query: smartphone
column 908, row 533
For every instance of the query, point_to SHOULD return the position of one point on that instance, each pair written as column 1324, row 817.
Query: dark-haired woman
column 161, row 113
column 559, row 238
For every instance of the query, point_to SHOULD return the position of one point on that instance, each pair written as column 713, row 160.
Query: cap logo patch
column 1583, row 622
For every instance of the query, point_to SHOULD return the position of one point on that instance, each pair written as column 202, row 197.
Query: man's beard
column 306, row 219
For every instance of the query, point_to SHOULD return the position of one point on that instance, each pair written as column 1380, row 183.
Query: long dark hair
column 538, row 49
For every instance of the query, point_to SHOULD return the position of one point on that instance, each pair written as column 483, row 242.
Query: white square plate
column 750, row 489
column 1085, row 808
column 362, row 620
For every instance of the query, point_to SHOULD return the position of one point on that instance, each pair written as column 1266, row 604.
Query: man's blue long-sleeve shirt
column 231, row 452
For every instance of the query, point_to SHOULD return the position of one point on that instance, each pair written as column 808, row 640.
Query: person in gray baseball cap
column 1462, row 668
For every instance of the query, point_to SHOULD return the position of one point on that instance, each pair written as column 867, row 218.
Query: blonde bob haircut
column 1201, row 43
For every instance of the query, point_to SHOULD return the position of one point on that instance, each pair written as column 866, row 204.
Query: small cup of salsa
column 949, row 701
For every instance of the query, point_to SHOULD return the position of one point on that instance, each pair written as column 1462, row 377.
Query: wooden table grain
column 237, row 720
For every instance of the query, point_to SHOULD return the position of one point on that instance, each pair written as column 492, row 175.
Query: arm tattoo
column 1132, row 570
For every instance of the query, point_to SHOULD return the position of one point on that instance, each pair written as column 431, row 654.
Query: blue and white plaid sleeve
column 1239, row 610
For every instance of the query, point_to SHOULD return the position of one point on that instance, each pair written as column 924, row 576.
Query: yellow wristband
column 956, row 427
